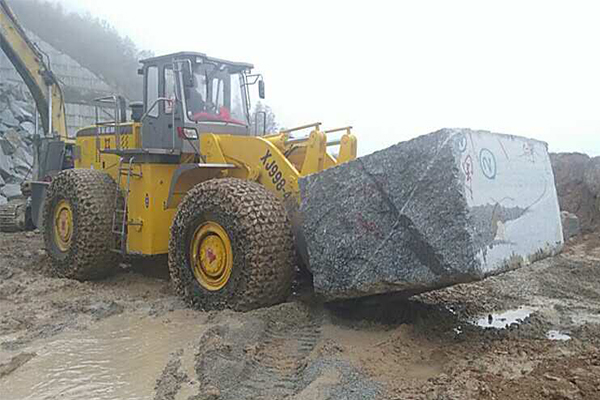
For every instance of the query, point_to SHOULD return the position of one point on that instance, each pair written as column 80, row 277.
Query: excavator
column 184, row 177
column 53, row 150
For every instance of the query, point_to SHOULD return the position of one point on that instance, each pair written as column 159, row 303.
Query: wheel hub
column 63, row 225
column 211, row 256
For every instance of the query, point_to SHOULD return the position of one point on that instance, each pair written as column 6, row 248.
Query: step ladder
column 120, row 221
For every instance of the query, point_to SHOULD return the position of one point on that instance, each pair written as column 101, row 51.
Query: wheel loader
column 185, row 176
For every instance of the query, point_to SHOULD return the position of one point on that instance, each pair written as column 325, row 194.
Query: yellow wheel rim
column 211, row 256
column 63, row 225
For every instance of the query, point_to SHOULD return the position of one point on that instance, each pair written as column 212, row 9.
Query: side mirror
column 261, row 89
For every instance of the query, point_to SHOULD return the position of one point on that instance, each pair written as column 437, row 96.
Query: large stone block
column 11, row 191
column 449, row 207
column 6, row 166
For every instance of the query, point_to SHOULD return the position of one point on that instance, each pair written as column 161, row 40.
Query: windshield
column 216, row 95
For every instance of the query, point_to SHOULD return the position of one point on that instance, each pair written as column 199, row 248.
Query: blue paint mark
column 461, row 142
column 487, row 161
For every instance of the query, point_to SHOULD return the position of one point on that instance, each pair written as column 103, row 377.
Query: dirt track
column 129, row 337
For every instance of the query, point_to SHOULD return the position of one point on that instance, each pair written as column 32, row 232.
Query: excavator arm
column 29, row 62
column 34, row 69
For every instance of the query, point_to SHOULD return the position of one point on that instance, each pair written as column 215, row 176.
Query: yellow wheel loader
column 182, row 174
column 186, row 178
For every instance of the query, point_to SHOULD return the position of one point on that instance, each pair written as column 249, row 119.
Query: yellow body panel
column 273, row 161
column 91, row 141
column 149, row 219
column 257, row 159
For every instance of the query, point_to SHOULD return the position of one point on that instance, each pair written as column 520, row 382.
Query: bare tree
column 261, row 113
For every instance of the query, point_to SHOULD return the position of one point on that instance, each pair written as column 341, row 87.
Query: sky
column 395, row 70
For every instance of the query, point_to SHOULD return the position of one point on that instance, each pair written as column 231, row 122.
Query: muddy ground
column 129, row 337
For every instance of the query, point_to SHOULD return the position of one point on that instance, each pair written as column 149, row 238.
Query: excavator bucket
column 453, row 206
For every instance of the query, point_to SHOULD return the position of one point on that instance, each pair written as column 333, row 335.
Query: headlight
column 187, row 133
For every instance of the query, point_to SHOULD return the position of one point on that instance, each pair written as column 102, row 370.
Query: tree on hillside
column 90, row 41
column 257, row 119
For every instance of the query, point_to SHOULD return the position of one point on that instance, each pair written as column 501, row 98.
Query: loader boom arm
column 29, row 62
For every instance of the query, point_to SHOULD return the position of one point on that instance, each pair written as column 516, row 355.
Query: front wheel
column 231, row 246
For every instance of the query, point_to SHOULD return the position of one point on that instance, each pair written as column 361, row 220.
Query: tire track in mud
column 259, row 358
column 282, row 357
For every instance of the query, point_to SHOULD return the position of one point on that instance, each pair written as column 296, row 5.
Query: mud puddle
column 118, row 358
column 557, row 335
column 504, row 319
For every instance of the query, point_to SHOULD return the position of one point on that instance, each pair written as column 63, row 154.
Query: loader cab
column 186, row 94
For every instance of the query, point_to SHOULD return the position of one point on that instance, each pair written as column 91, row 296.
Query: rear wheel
column 231, row 246
column 78, row 213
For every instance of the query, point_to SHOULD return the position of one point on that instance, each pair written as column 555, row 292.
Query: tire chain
column 262, row 231
column 91, row 194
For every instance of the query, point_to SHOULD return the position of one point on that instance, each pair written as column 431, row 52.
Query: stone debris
column 449, row 207
column 570, row 225
column 17, row 129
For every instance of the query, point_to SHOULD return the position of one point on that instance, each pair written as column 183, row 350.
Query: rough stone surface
column 591, row 176
column 570, row 224
column 452, row 206
column 11, row 191
column 16, row 139
column 574, row 194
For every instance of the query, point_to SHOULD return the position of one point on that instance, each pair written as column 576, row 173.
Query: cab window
column 169, row 89
column 152, row 89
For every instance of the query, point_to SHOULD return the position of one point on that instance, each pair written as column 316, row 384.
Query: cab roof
column 191, row 54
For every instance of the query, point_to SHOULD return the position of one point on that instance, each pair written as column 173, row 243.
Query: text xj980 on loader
column 187, row 178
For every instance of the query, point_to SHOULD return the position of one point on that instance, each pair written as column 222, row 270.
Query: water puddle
column 557, row 335
column 118, row 358
column 505, row 318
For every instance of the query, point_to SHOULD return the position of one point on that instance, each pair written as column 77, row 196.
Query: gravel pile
column 17, row 129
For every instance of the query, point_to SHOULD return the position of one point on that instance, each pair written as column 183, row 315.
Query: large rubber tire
column 261, row 242
column 91, row 196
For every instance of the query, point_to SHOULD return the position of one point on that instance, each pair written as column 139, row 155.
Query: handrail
column 345, row 128
column 114, row 100
column 158, row 100
column 299, row 128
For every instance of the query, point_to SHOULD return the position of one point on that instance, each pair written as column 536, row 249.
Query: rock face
column 575, row 178
column 17, row 111
column 16, row 140
column 452, row 206
column 570, row 225
column 591, row 177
